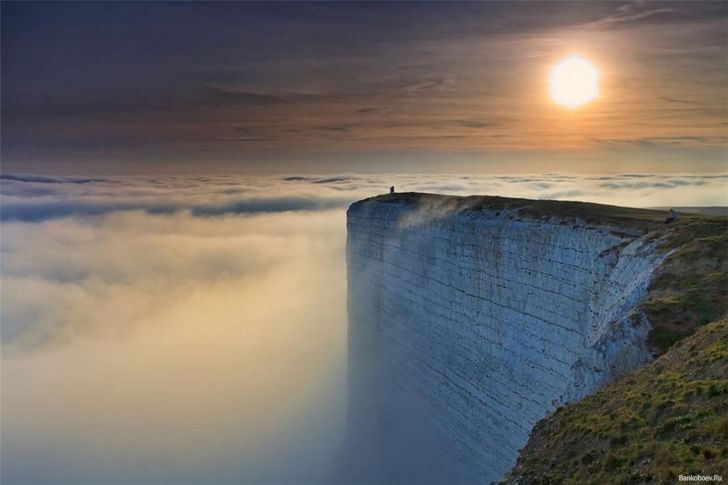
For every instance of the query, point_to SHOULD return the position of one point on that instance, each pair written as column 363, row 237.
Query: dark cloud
column 665, row 141
column 333, row 180
column 679, row 101
column 659, row 184
column 473, row 123
column 338, row 128
column 239, row 96
column 49, row 180
column 242, row 134
column 281, row 204
column 42, row 211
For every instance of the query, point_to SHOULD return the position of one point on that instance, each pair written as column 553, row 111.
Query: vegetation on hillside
column 691, row 287
column 667, row 419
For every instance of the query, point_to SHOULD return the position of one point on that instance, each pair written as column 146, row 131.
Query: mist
column 193, row 329
column 172, row 348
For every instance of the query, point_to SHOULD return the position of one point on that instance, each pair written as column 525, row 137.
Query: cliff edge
column 472, row 318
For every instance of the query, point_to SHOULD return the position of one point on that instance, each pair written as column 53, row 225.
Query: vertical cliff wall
column 472, row 318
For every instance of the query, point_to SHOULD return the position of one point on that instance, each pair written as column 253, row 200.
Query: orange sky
column 361, row 87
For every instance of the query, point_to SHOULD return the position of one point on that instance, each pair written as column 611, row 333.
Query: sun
column 574, row 82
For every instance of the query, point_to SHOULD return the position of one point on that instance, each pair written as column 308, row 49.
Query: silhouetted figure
column 391, row 189
column 671, row 216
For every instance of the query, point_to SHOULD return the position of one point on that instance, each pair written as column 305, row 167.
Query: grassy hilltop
column 691, row 288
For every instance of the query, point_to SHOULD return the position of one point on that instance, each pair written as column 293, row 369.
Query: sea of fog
column 193, row 329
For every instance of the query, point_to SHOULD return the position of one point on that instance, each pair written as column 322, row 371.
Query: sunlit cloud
column 176, row 348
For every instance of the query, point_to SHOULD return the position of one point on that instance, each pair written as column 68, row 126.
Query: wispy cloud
column 39, row 179
column 630, row 12
column 666, row 141
column 676, row 100
column 240, row 96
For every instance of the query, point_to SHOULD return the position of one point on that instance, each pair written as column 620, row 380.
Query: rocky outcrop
column 470, row 319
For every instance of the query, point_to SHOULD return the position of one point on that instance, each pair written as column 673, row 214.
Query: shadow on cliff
column 394, row 446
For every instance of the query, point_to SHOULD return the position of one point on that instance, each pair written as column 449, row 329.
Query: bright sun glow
column 574, row 82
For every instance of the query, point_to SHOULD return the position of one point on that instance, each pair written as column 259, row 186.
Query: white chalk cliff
column 470, row 319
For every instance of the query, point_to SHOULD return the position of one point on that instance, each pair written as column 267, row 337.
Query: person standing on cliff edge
column 391, row 189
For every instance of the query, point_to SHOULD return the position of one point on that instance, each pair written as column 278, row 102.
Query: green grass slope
column 691, row 287
column 667, row 419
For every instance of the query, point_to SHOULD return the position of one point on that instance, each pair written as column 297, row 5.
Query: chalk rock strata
column 468, row 323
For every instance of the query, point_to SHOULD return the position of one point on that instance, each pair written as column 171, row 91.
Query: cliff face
column 470, row 319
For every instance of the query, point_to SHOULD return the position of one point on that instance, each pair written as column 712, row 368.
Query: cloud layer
column 192, row 329
column 38, row 198
column 146, row 348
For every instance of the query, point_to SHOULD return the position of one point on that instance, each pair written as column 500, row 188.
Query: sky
column 189, row 88
column 174, row 179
